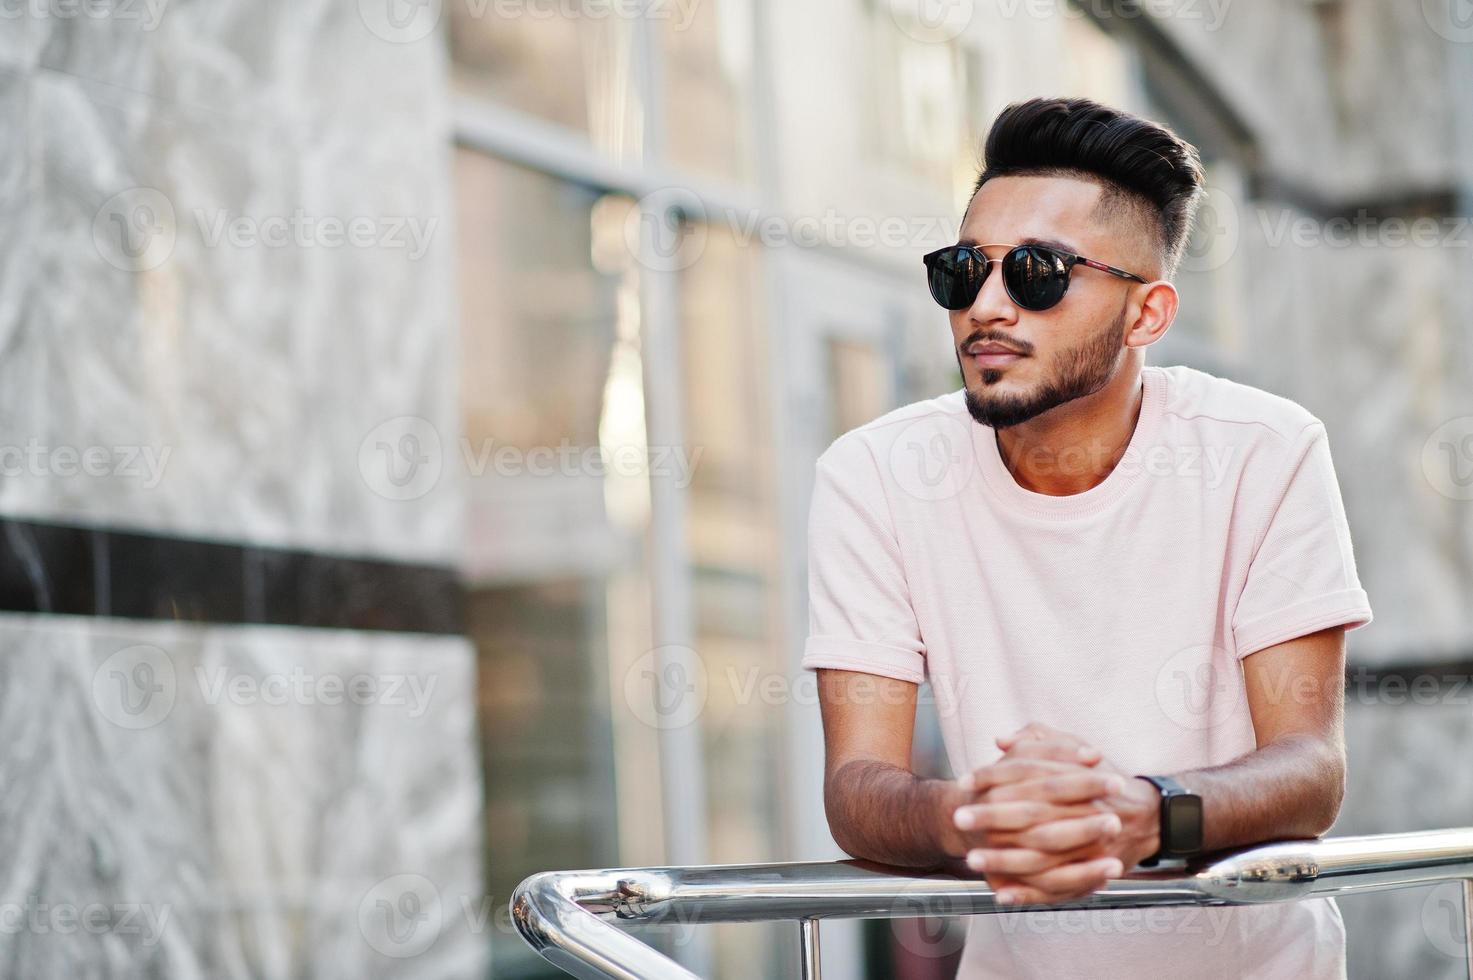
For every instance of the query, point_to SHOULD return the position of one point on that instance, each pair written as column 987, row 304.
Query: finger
column 1018, row 815
column 1030, row 730
column 1037, row 730
column 1061, row 883
column 1018, row 862
column 1061, row 751
column 1011, row 770
column 1079, row 878
column 1062, row 836
column 1075, row 787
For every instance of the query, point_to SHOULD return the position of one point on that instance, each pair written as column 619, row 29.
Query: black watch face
column 1183, row 824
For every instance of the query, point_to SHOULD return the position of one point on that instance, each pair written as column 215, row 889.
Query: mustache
column 984, row 336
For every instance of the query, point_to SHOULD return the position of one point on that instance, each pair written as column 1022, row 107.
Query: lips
column 993, row 354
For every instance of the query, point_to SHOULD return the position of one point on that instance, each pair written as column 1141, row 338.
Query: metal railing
column 567, row 916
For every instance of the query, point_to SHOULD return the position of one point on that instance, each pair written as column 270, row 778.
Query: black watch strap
column 1169, row 788
column 1167, row 785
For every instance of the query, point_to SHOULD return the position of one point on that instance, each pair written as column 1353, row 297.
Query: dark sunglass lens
column 1035, row 277
column 955, row 276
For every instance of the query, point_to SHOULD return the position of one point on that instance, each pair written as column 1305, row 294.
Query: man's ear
column 1155, row 309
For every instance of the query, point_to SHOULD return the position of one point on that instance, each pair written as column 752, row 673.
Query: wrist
column 945, row 798
column 1144, row 824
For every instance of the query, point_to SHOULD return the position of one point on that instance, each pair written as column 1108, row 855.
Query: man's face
column 1063, row 353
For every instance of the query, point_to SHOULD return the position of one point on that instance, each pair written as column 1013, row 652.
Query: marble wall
column 226, row 313
column 233, row 274
column 1347, row 98
column 236, row 801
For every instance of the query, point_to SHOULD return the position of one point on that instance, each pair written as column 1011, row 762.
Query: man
column 1106, row 570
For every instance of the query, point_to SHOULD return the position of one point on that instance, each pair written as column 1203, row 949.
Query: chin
column 997, row 379
column 1002, row 405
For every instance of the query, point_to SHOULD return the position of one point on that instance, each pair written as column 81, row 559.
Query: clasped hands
column 1052, row 820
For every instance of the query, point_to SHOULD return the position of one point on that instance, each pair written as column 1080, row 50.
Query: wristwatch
column 1181, row 821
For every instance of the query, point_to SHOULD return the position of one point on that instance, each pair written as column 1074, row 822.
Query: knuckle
column 1013, row 863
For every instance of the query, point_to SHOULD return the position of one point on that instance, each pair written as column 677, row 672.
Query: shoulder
column 868, row 447
column 1236, row 411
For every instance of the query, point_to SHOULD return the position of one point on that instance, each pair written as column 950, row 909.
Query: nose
column 993, row 306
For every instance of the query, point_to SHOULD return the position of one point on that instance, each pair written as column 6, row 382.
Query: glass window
column 860, row 383
column 545, row 736
column 576, row 71
column 708, row 76
column 530, row 296
column 734, row 552
column 557, row 585
column 924, row 91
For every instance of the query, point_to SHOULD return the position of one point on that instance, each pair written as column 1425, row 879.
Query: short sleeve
column 1302, row 577
column 860, row 615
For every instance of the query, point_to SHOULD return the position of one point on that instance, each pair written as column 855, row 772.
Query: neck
column 1073, row 447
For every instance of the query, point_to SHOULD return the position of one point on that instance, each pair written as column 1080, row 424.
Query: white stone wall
column 228, row 256
column 245, row 813
column 246, row 332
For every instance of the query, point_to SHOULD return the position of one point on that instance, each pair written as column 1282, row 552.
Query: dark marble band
column 1447, row 682
column 87, row 571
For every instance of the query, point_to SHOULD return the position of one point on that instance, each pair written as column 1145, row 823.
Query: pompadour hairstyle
column 1139, row 163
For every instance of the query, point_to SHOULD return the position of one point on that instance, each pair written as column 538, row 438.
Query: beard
column 1081, row 371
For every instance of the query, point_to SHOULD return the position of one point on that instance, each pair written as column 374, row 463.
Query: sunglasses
column 1035, row 276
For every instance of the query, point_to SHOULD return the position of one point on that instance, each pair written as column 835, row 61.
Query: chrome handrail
column 565, row 915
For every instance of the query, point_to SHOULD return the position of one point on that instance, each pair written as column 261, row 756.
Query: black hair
column 1141, row 164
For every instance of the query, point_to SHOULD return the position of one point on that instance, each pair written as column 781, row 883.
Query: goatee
column 1082, row 372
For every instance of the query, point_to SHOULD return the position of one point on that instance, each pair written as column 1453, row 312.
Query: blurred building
column 536, row 439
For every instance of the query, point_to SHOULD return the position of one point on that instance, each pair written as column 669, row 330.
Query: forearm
column 1291, row 788
column 880, row 812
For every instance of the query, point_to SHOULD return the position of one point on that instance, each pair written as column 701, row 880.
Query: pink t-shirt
column 1118, row 614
